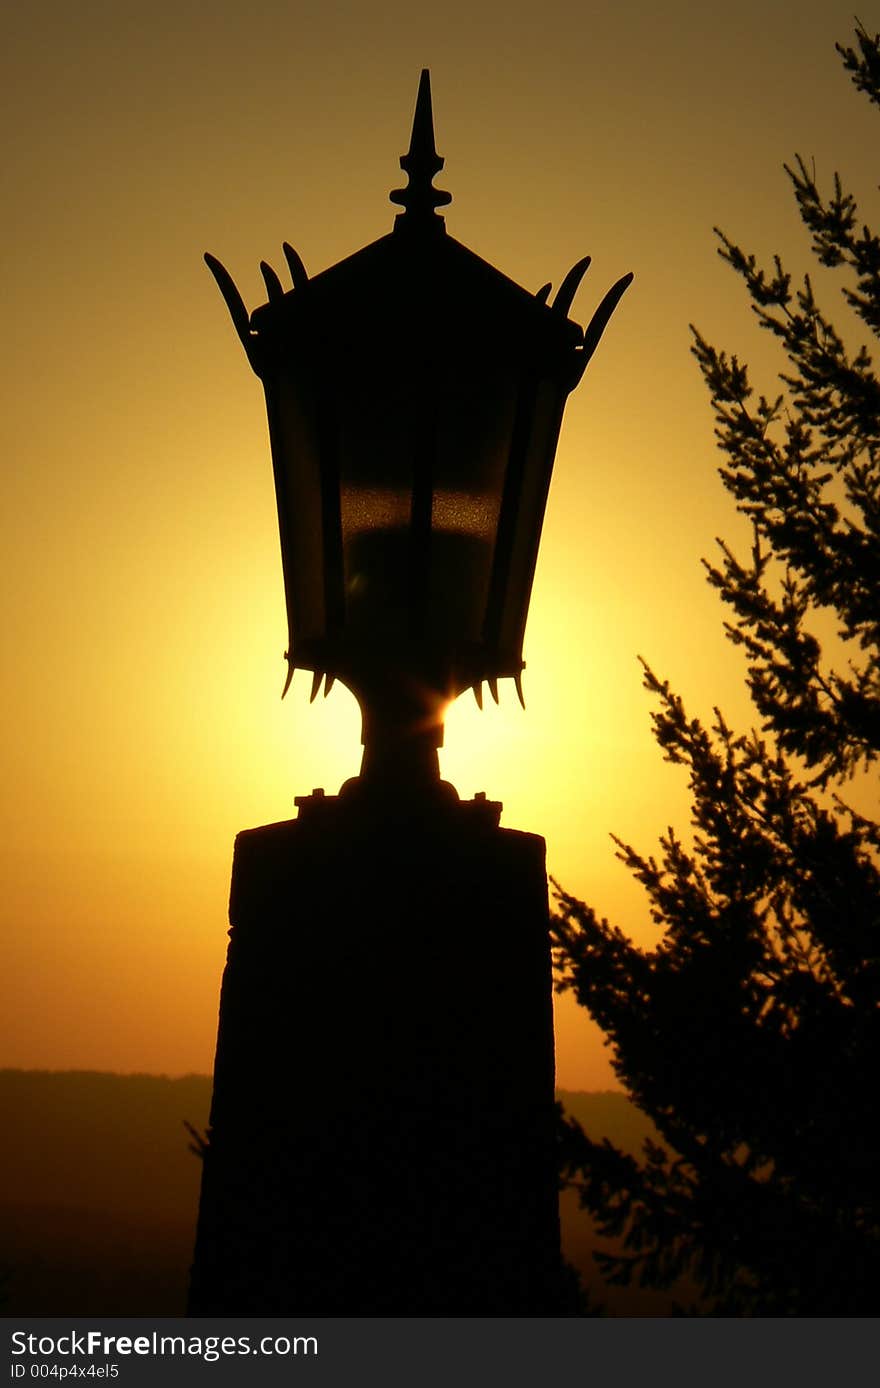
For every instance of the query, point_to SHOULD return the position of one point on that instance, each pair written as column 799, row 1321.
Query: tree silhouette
column 750, row 1033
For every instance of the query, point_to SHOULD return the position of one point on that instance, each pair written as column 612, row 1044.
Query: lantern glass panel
column 296, row 459
column 375, row 457
column 548, row 404
column 473, row 446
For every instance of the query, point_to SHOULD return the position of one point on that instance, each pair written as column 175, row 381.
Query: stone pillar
column 382, row 1126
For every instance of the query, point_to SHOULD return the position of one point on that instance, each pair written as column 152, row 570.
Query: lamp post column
column 383, row 1124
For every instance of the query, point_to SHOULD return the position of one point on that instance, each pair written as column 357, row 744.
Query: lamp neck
column 401, row 735
column 405, row 762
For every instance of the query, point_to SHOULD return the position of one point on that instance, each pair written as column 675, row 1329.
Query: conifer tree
column 751, row 1033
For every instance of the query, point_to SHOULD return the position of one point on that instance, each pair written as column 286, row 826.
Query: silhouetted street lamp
column 382, row 1125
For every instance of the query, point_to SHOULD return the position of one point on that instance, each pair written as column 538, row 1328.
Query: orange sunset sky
column 144, row 623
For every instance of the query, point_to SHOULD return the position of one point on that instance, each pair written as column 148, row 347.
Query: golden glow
column 144, row 620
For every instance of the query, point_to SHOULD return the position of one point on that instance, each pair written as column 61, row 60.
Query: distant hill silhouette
column 99, row 1192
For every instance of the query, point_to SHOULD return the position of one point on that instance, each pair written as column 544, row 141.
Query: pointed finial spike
column 331, row 680
column 478, row 693
column 421, row 141
column 517, row 680
column 419, row 198
column 316, row 685
column 493, row 688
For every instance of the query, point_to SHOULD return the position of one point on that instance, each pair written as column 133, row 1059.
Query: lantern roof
column 418, row 271
column 420, row 288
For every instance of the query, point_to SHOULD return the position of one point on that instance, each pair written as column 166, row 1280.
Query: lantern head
column 415, row 396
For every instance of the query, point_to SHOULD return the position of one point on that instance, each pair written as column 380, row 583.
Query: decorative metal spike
column 517, row 680
column 274, row 287
column 419, row 198
column 235, row 304
column 599, row 322
column 331, row 680
column 493, row 688
column 316, row 685
column 297, row 270
column 288, row 658
column 544, row 292
column 569, row 286
column 478, row 693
